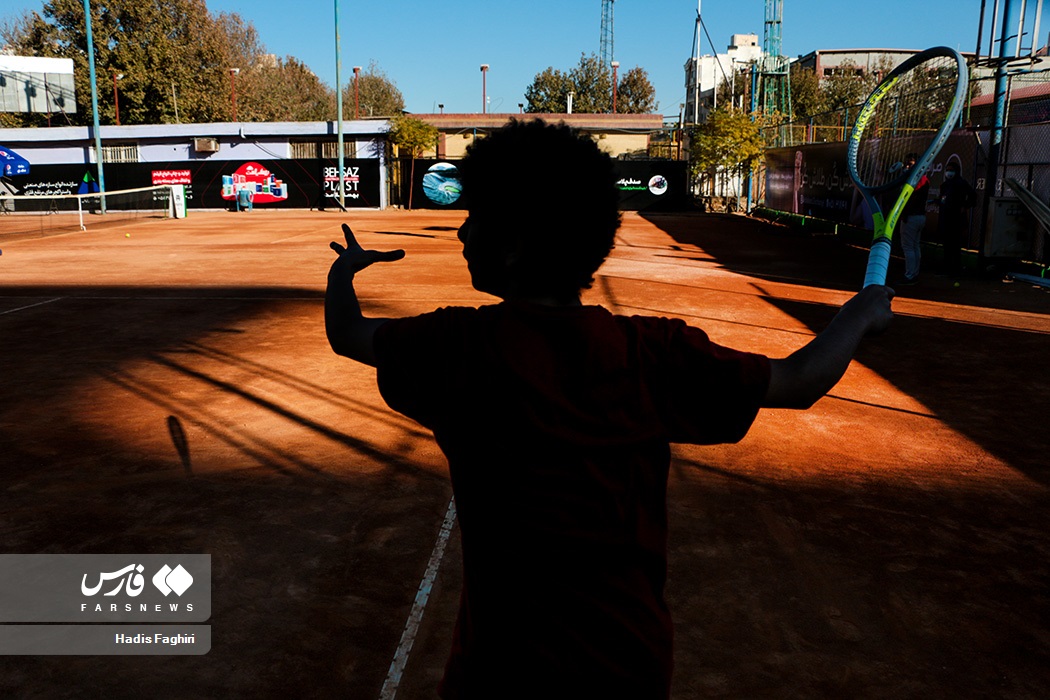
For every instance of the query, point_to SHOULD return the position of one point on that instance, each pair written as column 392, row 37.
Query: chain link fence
column 805, row 170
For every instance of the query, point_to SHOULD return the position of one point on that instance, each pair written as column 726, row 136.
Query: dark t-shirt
column 556, row 423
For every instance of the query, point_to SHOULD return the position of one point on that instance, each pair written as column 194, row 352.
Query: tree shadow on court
column 991, row 384
column 315, row 562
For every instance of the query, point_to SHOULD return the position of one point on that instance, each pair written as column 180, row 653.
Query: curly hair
column 550, row 194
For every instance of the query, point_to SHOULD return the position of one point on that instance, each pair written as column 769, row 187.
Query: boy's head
column 542, row 203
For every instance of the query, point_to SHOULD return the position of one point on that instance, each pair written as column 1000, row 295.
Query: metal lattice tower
column 774, row 87
column 605, row 52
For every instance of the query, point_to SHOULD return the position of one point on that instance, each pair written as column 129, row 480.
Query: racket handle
column 878, row 263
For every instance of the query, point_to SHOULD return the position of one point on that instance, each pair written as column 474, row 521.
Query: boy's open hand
column 353, row 258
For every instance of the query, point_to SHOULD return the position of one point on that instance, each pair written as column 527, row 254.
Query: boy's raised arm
column 806, row 375
column 349, row 332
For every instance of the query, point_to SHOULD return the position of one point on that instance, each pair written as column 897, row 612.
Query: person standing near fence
column 956, row 197
column 913, row 221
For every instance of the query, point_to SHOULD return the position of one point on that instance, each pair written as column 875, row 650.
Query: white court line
column 408, row 637
column 23, row 308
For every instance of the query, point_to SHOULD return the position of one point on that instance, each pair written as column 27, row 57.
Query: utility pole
column 606, row 53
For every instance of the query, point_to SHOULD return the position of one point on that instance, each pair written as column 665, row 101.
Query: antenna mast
column 605, row 51
column 774, row 88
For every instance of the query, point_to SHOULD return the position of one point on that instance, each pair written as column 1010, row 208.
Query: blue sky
column 433, row 51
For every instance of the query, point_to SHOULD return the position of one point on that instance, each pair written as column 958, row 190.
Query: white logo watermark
column 166, row 580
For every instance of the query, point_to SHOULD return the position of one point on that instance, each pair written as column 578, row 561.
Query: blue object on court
column 12, row 163
column 244, row 199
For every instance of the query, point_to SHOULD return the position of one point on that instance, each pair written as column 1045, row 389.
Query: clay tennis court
column 893, row 541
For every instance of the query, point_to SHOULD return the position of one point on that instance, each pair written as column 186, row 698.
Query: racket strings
column 905, row 119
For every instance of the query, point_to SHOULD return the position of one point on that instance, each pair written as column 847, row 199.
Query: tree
column 737, row 89
column 591, row 85
column 377, row 95
column 414, row 136
column 548, row 93
column 847, row 86
column 728, row 142
column 635, row 94
column 806, row 98
column 283, row 90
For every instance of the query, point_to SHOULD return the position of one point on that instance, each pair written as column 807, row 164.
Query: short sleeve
column 413, row 361
column 704, row 393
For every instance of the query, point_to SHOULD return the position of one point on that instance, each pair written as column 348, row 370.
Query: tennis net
column 41, row 215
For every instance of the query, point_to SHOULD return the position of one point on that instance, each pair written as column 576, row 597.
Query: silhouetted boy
column 557, row 418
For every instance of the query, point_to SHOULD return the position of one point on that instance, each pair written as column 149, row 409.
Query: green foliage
column 548, row 93
column 737, row 88
column 806, row 99
column 412, row 135
column 635, row 94
column 591, row 85
column 377, row 95
column 728, row 140
column 846, row 87
column 823, row 99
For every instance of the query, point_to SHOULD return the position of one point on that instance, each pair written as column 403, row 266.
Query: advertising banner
column 644, row 185
column 813, row 180
column 277, row 184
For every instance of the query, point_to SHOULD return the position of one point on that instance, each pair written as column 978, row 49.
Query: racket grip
column 878, row 263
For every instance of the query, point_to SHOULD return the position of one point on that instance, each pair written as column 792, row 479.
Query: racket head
column 912, row 111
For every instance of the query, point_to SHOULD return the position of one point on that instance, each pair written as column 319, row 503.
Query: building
column 622, row 136
column 295, row 164
column 703, row 76
column 830, row 62
column 36, row 84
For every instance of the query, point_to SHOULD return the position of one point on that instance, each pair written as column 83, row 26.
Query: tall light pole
column 484, row 73
column 233, row 90
column 339, row 162
column 357, row 99
column 615, row 66
column 94, row 104
column 116, row 99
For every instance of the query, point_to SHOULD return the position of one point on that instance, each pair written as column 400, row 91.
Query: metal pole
column 980, row 30
column 1035, row 29
column 357, row 100
column 116, row 99
column 998, row 123
column 94, row 106
column 696, row 67
column 991, row 34
column 615, row 67
column 1020, row 29
column 339, row 108
column 484, row 99
column 233, row 90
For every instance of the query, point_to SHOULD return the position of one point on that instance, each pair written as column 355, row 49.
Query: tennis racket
column 913, row 110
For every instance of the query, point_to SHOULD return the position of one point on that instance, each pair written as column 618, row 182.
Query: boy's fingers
column 351, row 241
column 336, row 247
column 389, row 255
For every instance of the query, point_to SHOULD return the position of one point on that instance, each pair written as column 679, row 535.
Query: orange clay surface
column 893, row 541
